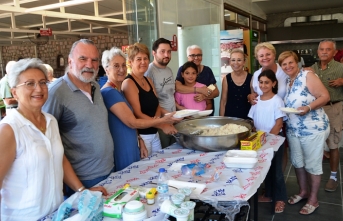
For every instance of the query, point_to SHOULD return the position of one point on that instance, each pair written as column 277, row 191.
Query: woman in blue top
column 306, row 131
column 121, row 120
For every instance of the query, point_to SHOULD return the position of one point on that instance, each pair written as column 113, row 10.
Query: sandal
column 279, row 206
column 308, row 209
column 263, row 199
column 295, row 199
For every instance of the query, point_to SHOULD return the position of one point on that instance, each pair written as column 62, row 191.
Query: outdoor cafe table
column 233, row 184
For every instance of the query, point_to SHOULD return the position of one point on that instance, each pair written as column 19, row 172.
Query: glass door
column 208, row 38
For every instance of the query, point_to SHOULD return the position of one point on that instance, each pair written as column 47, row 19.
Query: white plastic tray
column 240, row 162
column 185, row 113
column 241, row 153
column 202, row 113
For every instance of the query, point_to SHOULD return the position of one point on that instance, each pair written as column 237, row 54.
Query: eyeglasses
column 117, row 67
column 195, row 55
column 32, row 84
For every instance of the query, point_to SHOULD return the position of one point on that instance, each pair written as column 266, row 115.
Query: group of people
column 75, row 132
column 316, row 94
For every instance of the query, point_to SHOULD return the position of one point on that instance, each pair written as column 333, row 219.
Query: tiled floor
column 330, row 203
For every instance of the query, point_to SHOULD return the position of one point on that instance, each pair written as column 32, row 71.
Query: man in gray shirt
column 164, row 82
column 76, row 102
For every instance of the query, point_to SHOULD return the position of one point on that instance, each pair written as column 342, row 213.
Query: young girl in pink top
column 189, row 73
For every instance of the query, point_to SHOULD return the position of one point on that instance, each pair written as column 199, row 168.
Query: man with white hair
column 50, row 72
column 5, row 90
column 76, row 102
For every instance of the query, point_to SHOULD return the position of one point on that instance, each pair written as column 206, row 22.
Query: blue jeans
column 278, row 181
column 87, row 183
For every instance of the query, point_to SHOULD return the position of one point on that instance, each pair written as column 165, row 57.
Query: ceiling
column 105, row 17
column 281, row 6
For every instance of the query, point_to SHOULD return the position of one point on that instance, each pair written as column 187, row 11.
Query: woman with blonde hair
column 141, row 95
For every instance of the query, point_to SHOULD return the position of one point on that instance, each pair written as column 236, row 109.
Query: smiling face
column 116, row 70
column 162, row 55
column 290, row 66
column 266, row 85
column 140, row 63
column 190, row 76
column 237, row 61
column 195, row 55
column 266, row 57
column 84, row 62
column 31, row 98
column 326, row 51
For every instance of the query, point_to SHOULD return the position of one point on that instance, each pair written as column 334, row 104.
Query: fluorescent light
column 61, row 4
column 168, row 22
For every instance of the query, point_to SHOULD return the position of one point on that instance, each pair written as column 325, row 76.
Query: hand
column 252, row 98
column 336, row 83
column 169, row 119
column 304, row 110
column 100, row 189
column 168, row 129
column 143, row 149
column 199, row 97
column 204, row 91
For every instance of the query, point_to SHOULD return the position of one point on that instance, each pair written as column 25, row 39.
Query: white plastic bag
column 88, row 203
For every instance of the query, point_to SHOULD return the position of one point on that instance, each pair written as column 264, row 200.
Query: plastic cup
column 168, row 207
column 181, row 214
column 190, row 205
column 187, row 191
column 178, row 198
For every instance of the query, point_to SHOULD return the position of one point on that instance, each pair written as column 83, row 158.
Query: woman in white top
column 33, row 166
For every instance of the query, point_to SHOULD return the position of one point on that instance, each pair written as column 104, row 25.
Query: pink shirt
column 187, row 100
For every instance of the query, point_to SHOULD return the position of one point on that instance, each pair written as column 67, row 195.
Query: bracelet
column 139, row 137
column 82, row 188
column 309, row 107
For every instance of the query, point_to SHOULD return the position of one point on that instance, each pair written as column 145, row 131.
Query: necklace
column 141, row 80
column 42, row 129
column 112, row 84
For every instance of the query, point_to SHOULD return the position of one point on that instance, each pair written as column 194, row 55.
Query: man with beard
column 76, row 102
column 164, row 82
column 330, row 73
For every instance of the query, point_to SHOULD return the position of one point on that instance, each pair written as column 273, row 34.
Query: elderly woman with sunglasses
column 205, row 76
column 33, row 166
column 122, row 122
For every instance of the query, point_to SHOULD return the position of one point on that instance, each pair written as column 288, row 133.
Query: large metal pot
column 188, row 130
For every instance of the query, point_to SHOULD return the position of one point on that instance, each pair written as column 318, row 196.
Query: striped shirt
column 333, row 71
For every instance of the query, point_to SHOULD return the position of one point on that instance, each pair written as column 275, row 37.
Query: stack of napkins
column 240, row 158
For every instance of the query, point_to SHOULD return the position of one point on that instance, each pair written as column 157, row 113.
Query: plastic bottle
column 162, row 186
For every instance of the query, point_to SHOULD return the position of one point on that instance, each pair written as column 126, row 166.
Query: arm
column 124, row 113
column 208, row 104
column 7, row 151
column 277, row 126
column 318, row 90
column 10, row 101
column 252, row 97
column 142, row 148
column 73, row 181
column 223, row 97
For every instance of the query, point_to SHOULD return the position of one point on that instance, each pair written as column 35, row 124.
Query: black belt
column 332, row 102
column 11, row 107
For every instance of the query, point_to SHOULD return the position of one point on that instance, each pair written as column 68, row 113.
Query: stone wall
column 48, row 53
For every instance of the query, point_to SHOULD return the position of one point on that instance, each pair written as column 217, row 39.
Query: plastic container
column 134, row 211
column 190, row 205
column 181, row 214
column 162, row 186
column 178, row 198
column 168, row 207
column 187, row 191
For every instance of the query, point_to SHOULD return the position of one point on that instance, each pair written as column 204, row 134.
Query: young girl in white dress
column 268, row 117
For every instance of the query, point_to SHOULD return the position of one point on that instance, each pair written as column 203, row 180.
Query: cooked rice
column 225, row 130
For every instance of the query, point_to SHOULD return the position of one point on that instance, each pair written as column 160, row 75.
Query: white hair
column 108, row 55
column 49, row 69
column 9, row 66
column 193, row 47
column 23, row 65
